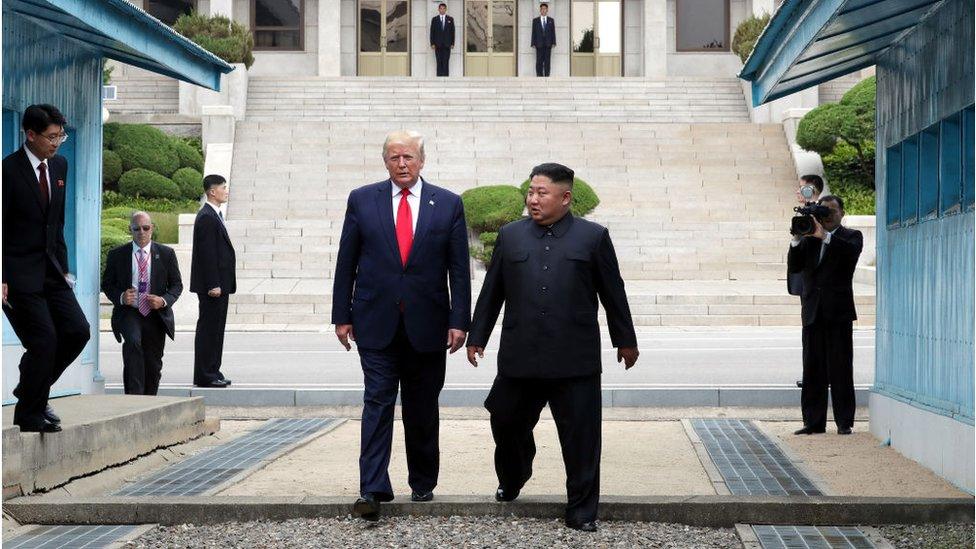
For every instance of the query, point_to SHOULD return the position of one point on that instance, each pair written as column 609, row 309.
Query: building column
column 222, row 7
column 330, row 35
column 763, row 6
column 655, row 38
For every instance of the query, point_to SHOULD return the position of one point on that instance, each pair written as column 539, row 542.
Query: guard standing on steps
column 551, row 271
column 442, row 39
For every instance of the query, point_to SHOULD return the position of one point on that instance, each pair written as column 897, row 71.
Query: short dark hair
column 543, row 4
column 442, row 4
column 557, row 172
column 37, row 118
column 213, row 180
column 835, row 198
column 814, row 180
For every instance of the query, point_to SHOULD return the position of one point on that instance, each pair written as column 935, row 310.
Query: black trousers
column 443, row 56
column 515, row 405
column 208, row 345
column 53, row 330
column 420, row 378
column 143, row 341
column 828, row 359
column 542, row 58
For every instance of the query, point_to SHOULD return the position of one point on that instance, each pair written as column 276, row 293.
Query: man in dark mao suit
column 549, row 271
column 543, row 40
column 442, row 39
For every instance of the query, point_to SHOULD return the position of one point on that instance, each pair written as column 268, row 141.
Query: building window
column 278, row 24
column 893, row 185
column 950, row 166
column 702, row 25
column 909, row 180
column 968, row 142
column 928, row 173
column 168, row 11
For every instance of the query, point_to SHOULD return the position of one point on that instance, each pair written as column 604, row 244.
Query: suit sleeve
column 111, row 285
column 796, row 258
column 347, row 263
column 6, row 201
column 205, row 246
column 174, row 280
column 553, row 33
column 61, row 247
column 432, row 32
column 490, row 299
column 613, row 295
column 459, row 265
column 452, row 35
column 848, row 247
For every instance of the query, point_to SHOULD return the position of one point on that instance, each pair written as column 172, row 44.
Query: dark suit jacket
column 164, row 281
column 33, row 234
column 827, row 289
column 214, row 263
column 550, row 285
column 540, row 39
column 371, row 282
column 442, row 37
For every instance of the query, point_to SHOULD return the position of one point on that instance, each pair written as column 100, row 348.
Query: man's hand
column 214, row 292
column 628, row 355
column 455, row 339
column 344, row 333
column 472, row 351
column 433, row 47
column 818, row 231
column 155, row 301
column 5, row 295
column 129, row 297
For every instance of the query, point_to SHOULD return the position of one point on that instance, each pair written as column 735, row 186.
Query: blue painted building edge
column 923, row 403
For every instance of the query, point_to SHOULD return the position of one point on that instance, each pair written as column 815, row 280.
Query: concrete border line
column 716, row 478
column 801, row 465
column 131, row 536
column 265, row 461
column 873, row 534
column 747, row 536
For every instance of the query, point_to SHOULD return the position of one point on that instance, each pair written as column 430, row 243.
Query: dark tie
column 404, row 227
column 42, row 181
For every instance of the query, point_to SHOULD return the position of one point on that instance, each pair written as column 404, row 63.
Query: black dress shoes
column 809, row 431
column 50, row 416
column 366, row 508
column 506, row 495
column 215, row 384
column 421, row 496
column 226, row 381
column 844, row 430
column 38, row 425
column 588, row 526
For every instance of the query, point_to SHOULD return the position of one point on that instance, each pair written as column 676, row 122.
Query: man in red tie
column 37, row 290
column 403, row 240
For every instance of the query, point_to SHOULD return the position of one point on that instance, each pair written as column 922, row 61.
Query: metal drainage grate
column 749, row 461
column 69, row 537
column 207, row 470
column 811, row 537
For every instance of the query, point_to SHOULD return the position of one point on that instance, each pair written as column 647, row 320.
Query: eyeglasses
column 143, row 228
column 55, row 139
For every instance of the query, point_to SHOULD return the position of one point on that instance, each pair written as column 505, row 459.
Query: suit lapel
column 384, row 214
column 155, row 270
column 30, row 179
column 426, row 211
column 57, row 190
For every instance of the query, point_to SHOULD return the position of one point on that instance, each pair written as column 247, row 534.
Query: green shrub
column 585, row 199
column 190, row 182
column 142, row 146
column 858, row 198
column 488, row 208
column 488, row 239
column 112, row 236
column 108, row 133
column 226, row 39
column 118, row 212
column 189, row 156
column 111, row 169
column 167, row 227
column 746, row 35
column 844, row 164
column 850, row 123
column 141, row 182
column 112, row 199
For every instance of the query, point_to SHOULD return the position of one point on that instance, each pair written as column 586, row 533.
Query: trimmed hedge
column 188, row 155
column 112, row 199
column 585, row 199
column 228, row 40
column 112, row 236
column 141, row 182
column 141, row 146
column 488, row 208
column 108, row 133
column 190, row 182
column 746, row 35
column 111, row 169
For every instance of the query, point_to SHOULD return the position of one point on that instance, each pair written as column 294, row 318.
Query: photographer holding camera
column 824, row 254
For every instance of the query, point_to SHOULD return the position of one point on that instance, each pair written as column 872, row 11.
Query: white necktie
column 443, row 22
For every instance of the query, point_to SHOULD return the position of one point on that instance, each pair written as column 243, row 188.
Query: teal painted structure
column 52, row 53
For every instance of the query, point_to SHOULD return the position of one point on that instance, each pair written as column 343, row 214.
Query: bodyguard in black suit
column 442, row 39
column 826, row 261
column 142, row 280
column 213, row 278
column 543, row 40
column 549, row 271
column 37, row 296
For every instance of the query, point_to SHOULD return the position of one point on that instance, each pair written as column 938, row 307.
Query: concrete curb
column 713, row 511
column 613, row 397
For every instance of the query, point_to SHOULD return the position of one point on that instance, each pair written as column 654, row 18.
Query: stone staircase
column 698, row 208
column 142, row 92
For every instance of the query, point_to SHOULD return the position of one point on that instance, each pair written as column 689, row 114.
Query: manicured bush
column 141, row 182
column 118, row 212
column 858, row 198
column 108, row 133
column 488, row 208
column 226, row 39
column 142, row 146
column 111, row 169
column 190, row 182
column 112, row 199
column 189, row 156
column 112, row 236
column 488, row 239
column 850, row 123
column 746, row 35
column 585, row 199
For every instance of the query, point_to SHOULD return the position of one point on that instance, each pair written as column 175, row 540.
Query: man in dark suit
column 442, row 39
column 402, row 241
column 543, row 40
column 213, row 278
column 37, row 296
column 142, row 280
column 826, row 261
column 549, row 270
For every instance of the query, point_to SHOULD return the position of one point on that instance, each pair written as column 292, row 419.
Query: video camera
column 802, row 224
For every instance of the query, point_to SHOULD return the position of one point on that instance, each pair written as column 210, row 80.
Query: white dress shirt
column 443, row 21
column 135, row 271
column 36, row 163
column 543, row 23
column 823, row 246
column 216, row 209
column 413, row 201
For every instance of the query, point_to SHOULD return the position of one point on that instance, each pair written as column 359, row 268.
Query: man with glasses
column 37, row 296
column 142, row 279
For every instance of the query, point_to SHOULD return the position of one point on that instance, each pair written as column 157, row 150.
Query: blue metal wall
column 925, row 312
column 39, row 66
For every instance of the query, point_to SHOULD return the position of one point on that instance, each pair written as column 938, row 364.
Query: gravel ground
column 930, row 536
column 417, row 532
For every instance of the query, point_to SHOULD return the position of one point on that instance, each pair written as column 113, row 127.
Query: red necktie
column 42, row 181
column 404, row 226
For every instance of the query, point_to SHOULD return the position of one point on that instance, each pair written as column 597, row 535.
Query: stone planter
column 233, row 92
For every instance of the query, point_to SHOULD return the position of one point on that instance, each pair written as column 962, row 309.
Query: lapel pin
column 60, row 182
column 431, row 202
